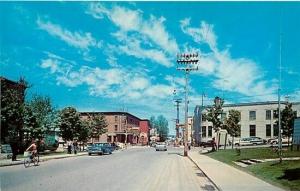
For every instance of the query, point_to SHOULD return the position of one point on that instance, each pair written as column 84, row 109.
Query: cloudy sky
column 119, row 55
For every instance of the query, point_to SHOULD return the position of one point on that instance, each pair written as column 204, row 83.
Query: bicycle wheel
column 27, row 162
column 36, row 160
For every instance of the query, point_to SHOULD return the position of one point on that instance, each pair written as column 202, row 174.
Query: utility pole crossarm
column 186, row 60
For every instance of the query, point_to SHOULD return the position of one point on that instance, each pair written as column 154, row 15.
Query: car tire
column 156, row 149
column 254, row 144
column 237, row 144
column 90, row 154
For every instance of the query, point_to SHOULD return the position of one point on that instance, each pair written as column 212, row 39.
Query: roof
column 255, row 103
column 111, row 113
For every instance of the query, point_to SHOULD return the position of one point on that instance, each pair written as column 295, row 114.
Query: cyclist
column 33, row 149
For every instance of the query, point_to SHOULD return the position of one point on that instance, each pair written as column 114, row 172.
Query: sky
column 121, row 56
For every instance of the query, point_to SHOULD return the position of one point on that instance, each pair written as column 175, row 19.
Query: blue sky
column 113, row 55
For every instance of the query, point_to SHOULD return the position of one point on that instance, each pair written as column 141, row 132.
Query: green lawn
column 286, row 174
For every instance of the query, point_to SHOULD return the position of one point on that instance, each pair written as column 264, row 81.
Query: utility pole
column 177, row 101
column 279, row 104
column 187, row 60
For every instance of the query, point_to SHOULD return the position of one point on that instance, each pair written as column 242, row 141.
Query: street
column 132, row 169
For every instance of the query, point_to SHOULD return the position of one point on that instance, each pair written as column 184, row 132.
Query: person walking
column 75, row 145
column 69, row 147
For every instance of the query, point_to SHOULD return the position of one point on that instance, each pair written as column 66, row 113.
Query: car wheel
column 90, row 154
column 254, row 144
column 156, row 149
column 237, row 144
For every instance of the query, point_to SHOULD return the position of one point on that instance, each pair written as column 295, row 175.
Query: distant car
column 6, row 151
column 161, row 146
column 206, row 144
column 243, row 142
column 257, row 141
column 94, row 149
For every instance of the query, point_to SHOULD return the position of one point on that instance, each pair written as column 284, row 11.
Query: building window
column 268, row 130
column 203, row 131
column 275, row 114
column 209, row 131
column 275, row 130
column 268, row 114
column 252, row 115
column 252, row 130
column 116, row 119
column 116, row 127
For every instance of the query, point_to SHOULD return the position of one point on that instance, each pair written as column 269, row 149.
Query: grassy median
column 285, row 174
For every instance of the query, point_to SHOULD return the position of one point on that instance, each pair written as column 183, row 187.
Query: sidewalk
column 9, row 162
column 227, row 177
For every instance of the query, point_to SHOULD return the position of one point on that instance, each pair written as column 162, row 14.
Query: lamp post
column 187, row 60
column 218, row 101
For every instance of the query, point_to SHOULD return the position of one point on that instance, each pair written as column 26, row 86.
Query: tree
column 231, row 124
column 214, row 112
column 12, row 113
column 39, row 110
column 97, row 125
column 287, row 121
column 70, row 124
column 161, row 125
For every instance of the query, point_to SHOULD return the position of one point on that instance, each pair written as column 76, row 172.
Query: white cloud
column 240, row 75
column 204, row 34
column 136, row 32
column 75, row 39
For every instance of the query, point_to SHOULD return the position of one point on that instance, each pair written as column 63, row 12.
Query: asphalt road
column 134, row 169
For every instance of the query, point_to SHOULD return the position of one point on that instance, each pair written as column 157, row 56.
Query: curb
column 41, row 160
column 218, row 188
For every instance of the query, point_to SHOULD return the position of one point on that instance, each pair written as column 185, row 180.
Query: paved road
column 133, row 169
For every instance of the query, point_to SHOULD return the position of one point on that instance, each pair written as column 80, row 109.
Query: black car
column 206, row 144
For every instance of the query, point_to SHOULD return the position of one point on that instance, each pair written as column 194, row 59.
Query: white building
column 257, row 119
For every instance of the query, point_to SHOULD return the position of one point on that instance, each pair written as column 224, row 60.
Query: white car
column 243, row 142
column 285, row 140
column 161, row 146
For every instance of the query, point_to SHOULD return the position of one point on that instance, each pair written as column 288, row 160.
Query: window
column 275, row 130
column 209, row 131
column 268, row 114
column 252, row 130
column 203, row 131
column 116, row 127
column 275, row 114
column 252, row 115
column 116, row 119
column 268, row 130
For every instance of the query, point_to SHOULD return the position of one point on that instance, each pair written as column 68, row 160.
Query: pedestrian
column 213, row 144
column 69, row 143
column 75, row 144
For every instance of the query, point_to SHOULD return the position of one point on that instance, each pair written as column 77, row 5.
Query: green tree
column 70, row 124
column 231, row 124
column 287, row 121
column 161, row 125
column 84, row 132
column 39, row 110
column 12, row 113
column 214, row 112
column 97, row 124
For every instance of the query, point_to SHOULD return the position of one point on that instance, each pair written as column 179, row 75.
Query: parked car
column 285, row 140
column 243, row 142
column 161, row 146
column 206, row 144
column 94, row 149
column 257, row 141
column 6, row 151
column 106, row 147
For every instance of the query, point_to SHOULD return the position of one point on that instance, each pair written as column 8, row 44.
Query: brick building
column 144, row 132
column 122, row 127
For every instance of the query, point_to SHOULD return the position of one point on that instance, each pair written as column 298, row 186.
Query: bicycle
column 29, row 158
